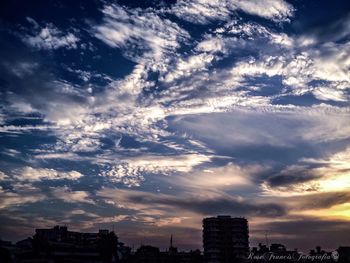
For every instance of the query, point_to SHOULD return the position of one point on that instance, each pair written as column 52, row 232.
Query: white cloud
column 67, row 195
column 295, row 69
column 186, row 67
column 249, row 35
column 332, row 62
column 198, row 71
column 143, row 36
column 23, row 129
column 110, row 219
column 205, row 11
column 201, row 11
column 82, row 74
column 277, row 10
column 266, row 125
column 23, row 68
column 11, row 152
column 3, row 176
column 19, row 197
column 329, row 93
column 211, row 44
column 122, row 27
column 299, row 69
column 43, row 154
column 38, row 174
column 50, row 37
column 228, row 177
column 131, row 172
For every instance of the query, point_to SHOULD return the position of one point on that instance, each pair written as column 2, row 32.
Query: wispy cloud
column 164, row 204
column 131, row 172
column 204, row 11
column 31, row 174
column 16, row 198
column 146, row 31
column 315, row 176
column 50, row 37
column 69, row 196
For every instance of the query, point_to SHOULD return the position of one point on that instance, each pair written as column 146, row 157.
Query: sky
column 147, row 116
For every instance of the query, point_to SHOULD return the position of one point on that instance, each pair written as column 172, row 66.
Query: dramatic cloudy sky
column 150, row 115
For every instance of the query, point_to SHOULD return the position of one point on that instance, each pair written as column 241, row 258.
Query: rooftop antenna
column 266, row 239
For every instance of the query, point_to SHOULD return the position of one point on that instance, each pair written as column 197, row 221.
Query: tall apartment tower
column 225, row 239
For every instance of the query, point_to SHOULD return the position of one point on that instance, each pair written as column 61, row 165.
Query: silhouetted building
column 124, row 252
column 174, row 256
column 278, row 248
column 261, row 249
column 225, row 239
column 150, row 254
column 190, row 257
column 6, row 251
column 57, row 244
column 147, row 254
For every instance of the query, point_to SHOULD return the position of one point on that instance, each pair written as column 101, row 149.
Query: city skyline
column 225, row 239
column 149, row 116
column 214, row 228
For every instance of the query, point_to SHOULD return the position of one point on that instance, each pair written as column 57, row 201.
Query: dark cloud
column 210, row 206
column 291, row 178
column 308, row 232
column 321, row 200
